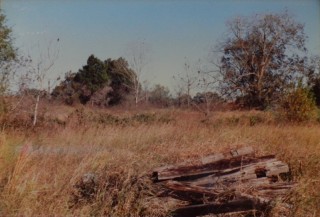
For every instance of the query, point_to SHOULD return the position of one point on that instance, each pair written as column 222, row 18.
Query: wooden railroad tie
column 229, row 182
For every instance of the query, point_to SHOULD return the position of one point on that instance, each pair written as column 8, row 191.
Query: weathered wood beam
column 263, row 191
column 257, row 168
column 217, row 208
column 203, row 166
column 192, row 193
column 246, row 168
column 235, row 181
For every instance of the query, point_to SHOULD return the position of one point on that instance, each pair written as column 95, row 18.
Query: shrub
column 144, row 118
column 233, row 120
column 318, row 115
column 3, row 107
column 316, row 90
column 298, row 105
column 255, row 119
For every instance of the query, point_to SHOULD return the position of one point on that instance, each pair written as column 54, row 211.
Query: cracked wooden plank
column 234, row 181
column 204, row 166
column 218, row 208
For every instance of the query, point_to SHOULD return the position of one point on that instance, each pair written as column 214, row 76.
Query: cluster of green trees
column 99, row 82
column 8, row 55
column 261, row 63
column 107, row 83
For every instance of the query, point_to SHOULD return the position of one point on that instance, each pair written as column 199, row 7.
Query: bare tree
column 146, row 90
column 40, row 69
column 197, row 77
column 260, row 55
column 187, row 80
column 138, row 56
column 207, row 83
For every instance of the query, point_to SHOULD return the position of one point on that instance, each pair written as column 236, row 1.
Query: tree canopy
column 99, row 82
column 260, row 56
column 160, row 95
column 94, row 75
column 8, row 53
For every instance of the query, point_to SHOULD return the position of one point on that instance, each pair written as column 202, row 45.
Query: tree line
column 261, row 63
column 111, row 82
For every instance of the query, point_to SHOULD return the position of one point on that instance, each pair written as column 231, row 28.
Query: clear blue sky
column 174, row 29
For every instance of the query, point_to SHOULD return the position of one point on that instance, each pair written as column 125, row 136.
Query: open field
column 40, row 167
column 159, row 108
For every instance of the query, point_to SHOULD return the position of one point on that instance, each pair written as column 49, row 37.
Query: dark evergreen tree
column 98, row 82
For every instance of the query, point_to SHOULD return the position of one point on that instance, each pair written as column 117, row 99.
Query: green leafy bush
column 298, row 105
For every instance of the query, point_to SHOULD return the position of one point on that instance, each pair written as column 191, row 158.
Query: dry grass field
column 40, row 168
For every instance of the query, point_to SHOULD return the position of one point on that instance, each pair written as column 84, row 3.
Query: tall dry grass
column 41, row 169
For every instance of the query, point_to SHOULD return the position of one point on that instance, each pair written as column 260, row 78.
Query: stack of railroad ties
column 233, row 182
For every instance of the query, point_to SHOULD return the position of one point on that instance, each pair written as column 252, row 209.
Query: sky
column 174, row 30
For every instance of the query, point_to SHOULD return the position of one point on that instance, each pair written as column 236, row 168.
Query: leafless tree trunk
column 207, row 83
column 186, row 81
column 146, row 91
column 44, row 63
column 138, row 57
column 35, row 114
